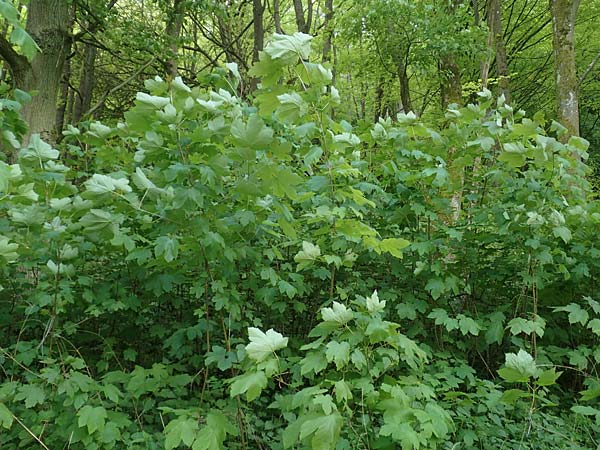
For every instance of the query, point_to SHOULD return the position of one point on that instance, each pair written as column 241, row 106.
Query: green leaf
column 594, row 325
column 182, row 429
column 307, row 255
column 374, row 304
column 251, row 383
column 38, row 149
column 92, row 417
column 562, row 232
column 156, row 102
column 548, row 377
column 495, row 330
column 8, row 250
column 519, row 367
column 338, row 352
column 32, row 394
column 6, row 417
column 585, row 410
column 324, row 430
column 436, row 287
column 343, row 391
column 167, row 247
column 576, row 313
column 263, row 345
column 394, row 246
column 337, row 313
column 289, row 47
column 213, row 435
column 253, row 134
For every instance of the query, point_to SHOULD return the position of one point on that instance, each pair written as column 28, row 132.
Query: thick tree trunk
column 564, row 13
column 86, row 83
column 48, row 24
column 497, row 37
column 451, row 86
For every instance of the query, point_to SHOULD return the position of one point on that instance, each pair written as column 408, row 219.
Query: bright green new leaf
column 307, row 255
column 394, row 246
column 548, row 377
column 519, row 367
column 337, row 313
column 262, row 345
column 374, row 304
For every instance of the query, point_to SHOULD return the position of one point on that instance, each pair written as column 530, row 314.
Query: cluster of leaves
column 447, row 262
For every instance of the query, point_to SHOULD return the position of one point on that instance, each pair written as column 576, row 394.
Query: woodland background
column 309, row 224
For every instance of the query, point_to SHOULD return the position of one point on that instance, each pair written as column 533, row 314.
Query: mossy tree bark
column 564, row 14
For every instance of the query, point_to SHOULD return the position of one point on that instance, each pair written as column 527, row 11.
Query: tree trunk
column 173, row 32
column 564, row 13
column 451, row 86
column 48, row 24
column 277, row 17
column 497, row 35
column 404, row 87
column 327, row 26
column 86, row 83
column 303, row 23
column 259, row 31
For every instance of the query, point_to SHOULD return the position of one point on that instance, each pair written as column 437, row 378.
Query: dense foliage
column 217, row 273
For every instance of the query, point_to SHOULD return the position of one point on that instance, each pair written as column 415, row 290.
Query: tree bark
column 497, row 37
column 328, row 33
column 47, row 23
column 564, row 14
column 277, row 17
column 173, row 32
column 86, row 83
column 303, row 23
column 259, row 30
column 404, row 87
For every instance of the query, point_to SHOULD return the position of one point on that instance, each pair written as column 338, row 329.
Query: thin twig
column 117, row 87
column 30, row 432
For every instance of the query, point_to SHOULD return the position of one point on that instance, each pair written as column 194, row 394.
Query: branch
column 589, row 68
column 117, row 87
column 16, row 62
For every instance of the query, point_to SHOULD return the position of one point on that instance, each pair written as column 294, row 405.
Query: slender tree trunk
column 304, row 23
column 277, row 16
column 173, row 31
column 404, row 87
column 259, row 31
column 497, row 35
column 564, row 14
column 328, row 33
column 63, row 99
column 86, row 83
column 379, row 99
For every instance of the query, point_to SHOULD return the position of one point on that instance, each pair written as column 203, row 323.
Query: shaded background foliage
column 412, row 259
